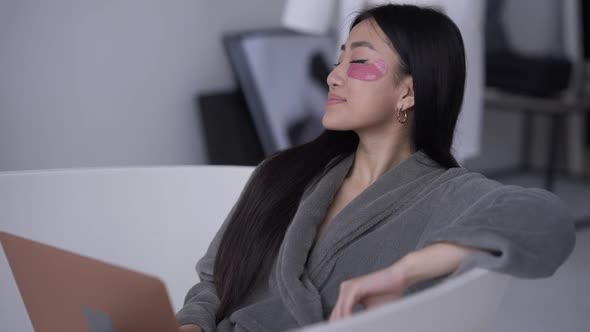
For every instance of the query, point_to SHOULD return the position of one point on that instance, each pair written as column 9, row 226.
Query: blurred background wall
column 112, row 83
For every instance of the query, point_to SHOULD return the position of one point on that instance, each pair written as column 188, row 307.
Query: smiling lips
column 333, row 99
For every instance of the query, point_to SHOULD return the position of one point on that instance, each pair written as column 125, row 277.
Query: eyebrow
column 356, row 44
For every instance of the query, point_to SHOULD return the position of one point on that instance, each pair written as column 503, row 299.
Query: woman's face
column 365, row 88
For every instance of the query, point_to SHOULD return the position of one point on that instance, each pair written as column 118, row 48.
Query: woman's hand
column 371, row 290
column 389, row 284
column 190, row 328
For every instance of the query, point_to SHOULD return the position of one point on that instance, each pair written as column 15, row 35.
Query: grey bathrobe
column 523, row 232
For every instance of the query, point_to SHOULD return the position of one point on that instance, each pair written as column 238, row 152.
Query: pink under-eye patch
column 367, row 71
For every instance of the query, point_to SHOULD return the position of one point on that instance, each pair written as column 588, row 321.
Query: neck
column 376, row 154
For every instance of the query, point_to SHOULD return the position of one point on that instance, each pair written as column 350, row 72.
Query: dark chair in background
column 229, row 132
column 550, row 86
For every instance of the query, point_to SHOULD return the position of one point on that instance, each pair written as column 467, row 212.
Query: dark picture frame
column 282, row 75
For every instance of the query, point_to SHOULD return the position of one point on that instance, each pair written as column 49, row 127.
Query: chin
column 333, row 124
column 339, row 121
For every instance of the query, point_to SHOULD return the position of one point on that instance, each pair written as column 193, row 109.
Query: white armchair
column 466, row 303
column 160, row 220
column 156, row 220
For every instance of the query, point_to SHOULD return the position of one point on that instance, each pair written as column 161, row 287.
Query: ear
column 407, row 99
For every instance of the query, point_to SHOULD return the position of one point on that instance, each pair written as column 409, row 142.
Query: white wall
column 112, row 83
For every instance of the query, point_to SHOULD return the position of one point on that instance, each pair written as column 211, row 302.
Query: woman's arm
column 389, row 284
column 202, row 301
column 525, row 232
column 436, row 260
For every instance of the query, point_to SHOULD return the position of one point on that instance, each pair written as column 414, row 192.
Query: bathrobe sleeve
column 524, row 232
column 201, row 302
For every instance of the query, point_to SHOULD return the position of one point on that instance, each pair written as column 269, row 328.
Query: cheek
column 367, row 72
column 374, row 100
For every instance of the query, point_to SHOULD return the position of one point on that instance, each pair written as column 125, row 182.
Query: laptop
column 66, row 292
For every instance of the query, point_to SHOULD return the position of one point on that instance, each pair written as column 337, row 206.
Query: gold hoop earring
column 401, row 111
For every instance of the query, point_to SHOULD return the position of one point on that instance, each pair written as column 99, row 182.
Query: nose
column 336, row 77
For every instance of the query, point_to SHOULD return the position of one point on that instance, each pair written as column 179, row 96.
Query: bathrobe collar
column 303, row 266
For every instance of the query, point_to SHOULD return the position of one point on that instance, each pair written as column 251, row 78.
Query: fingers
column 351, row 291
column 370, row 290
column 372, row 302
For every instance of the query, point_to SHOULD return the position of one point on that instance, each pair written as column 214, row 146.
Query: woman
column 376, row 207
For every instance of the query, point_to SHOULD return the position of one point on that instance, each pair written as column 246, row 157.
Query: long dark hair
column 431, row 50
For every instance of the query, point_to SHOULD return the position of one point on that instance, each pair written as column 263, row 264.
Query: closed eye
column 353, row 61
